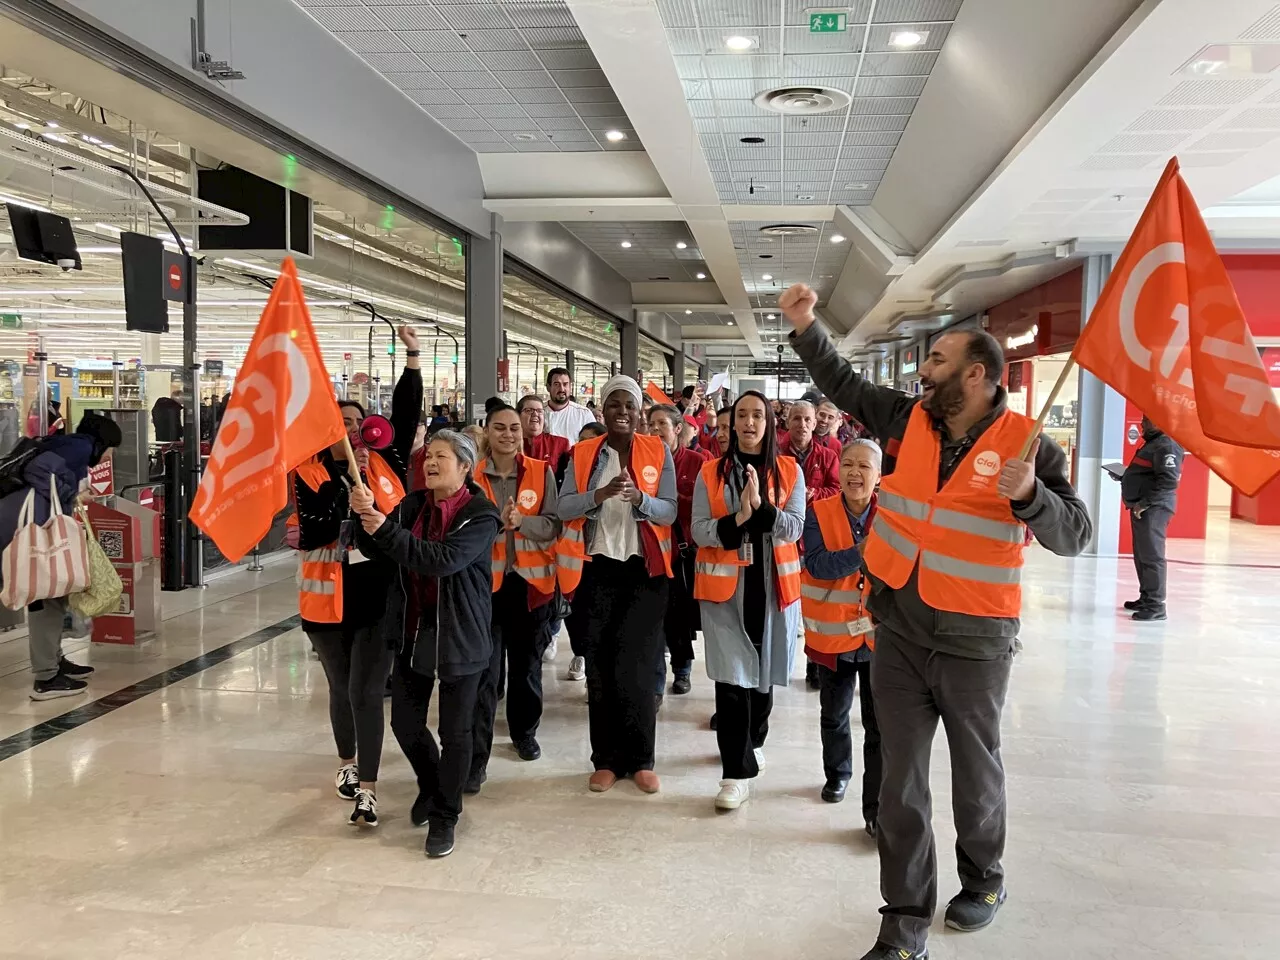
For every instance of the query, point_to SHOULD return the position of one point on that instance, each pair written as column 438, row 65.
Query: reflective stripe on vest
column 535, row 563
column 965, row 539
column 648, row 456
column 716, row 570
column 832, row 610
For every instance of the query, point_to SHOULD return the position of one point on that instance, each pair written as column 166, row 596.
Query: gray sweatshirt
column 542, row 529
column 1055, row 514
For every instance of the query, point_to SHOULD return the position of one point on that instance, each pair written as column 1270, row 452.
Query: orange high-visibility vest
column 833, row 608
column 648, row 454
column 964, row 537
column 716, row 569
column 320, row 585
column 536, row 564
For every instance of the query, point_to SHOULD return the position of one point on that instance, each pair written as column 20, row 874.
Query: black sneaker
column 882, row 951
column 833, row 790
column 681, row 685
column 366, row 812
column 69, row 668
column 528, row 749
column 474, row 783
column 872, row 827
column 418, row 812
column 1150, row 614
column 1134, row 604
column 347, row 781
column 59, row 685
column 711, row 724
column 439, row 839
column 972, row 910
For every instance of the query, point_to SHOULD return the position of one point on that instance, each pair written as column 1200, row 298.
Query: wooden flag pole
column 1048, row 405
column 354, row 469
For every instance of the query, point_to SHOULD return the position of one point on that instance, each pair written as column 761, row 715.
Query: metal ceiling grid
column 802, row 159
column 503, row 76
column 808, row 258
column 653, row 254
column 700, row 318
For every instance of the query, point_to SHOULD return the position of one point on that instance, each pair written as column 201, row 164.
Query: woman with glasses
column 748, row 514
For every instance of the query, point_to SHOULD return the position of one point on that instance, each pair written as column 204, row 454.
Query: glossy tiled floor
column 200, row 821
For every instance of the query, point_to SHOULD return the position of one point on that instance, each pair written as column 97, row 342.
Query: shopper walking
column 66, row 458
column 838, row 629
column 343, row 592
column 564, row 416
column 682, row 620
column 1149, row 489
column 748, row 514
column 439, row 610
column 618, row 503
column 523, row 565
column 945, row 558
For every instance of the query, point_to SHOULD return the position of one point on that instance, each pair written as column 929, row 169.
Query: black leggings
column 356, row 663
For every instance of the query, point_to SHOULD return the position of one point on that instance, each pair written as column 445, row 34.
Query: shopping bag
column 44, row 561
column 104, row 590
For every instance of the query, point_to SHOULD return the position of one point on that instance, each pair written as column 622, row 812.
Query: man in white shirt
column 564, row 417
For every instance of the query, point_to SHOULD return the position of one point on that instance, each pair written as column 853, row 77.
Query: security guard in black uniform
column 1149, row 489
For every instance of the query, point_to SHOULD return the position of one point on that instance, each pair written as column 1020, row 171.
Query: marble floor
column 199, row 821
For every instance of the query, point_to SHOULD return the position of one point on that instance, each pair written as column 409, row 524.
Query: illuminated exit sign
column 828, row 21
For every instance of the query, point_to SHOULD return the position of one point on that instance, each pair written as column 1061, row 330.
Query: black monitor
column 44, row 237
column 145, row 307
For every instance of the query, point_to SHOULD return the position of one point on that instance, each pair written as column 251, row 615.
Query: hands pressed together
column 750, row 497
column 620, row 487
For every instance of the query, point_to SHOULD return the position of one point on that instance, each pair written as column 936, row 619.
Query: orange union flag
column 656, row 393
column 281, row 412
column 1169, row 334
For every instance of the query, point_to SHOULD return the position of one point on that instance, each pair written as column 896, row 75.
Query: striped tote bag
column 43, row 561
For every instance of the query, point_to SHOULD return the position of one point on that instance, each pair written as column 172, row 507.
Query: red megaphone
column 376, row 432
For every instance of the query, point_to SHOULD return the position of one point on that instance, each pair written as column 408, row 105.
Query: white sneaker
column 549, row 654
column 347, row 782
column 366, row 812
column 759, row 752
column 577, row 669
column 733, row 794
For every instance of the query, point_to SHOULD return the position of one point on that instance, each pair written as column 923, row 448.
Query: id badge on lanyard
column 862, row 624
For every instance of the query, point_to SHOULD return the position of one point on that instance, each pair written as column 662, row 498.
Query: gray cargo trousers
column 913, row 688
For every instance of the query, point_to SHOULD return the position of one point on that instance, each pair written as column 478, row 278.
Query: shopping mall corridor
column 199, row 819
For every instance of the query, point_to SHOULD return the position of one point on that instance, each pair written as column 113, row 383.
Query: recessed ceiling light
column 837, row 238
column 771, row 316
column 680, row 245
column 688, row 313
column 702, row 276
column 730, row 322
column 740, row 43
column 804, row 197
column 614, row 136
column 751, row 140
column 626, row 244
column 905, row 39
column 767, row 277
column 524, row 136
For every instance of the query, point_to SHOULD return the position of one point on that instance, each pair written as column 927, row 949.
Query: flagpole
column 352, row 467
column 1048, row 405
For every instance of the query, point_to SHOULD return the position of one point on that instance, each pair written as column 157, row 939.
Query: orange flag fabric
column 1168, row 333
column 282, row 411
column 655, row 393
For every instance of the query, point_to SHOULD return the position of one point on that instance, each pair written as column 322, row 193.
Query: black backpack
column 13, row 465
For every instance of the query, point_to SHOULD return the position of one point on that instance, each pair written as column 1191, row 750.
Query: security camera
column 67, row 264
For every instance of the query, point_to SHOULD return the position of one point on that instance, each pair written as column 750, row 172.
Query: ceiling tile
column 511, row 60
column 524, row 79
column 487, row 40
column 346, row 18
column 432, row 41
column 539, row 95
column 391, row 61
column 471, row 16
column 410, row 17
column 540, row 14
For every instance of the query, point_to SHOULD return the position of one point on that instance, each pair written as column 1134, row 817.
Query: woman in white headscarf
column 618, row 502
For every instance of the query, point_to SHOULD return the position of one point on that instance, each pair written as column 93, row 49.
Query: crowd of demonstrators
column 682, row 620
column 748, row 514
column 618, row 503
column 944, row 555
column 56, row 465
column 342, row 591
column 838, row 630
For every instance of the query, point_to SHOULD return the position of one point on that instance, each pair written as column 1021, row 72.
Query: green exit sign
column 831, row 21
column 12, row 321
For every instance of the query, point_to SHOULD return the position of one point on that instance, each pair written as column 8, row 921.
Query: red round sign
column 175, row 276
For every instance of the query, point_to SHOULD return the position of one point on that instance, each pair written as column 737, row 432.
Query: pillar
column 568, row 365
column 1101, row 416
column 676, row 364
column 631, row 349
column 484, row 318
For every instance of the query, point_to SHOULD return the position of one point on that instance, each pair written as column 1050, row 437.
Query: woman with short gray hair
column 438, row 617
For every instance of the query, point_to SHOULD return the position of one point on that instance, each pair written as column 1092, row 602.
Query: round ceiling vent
column 803, row 100
column 788, row 229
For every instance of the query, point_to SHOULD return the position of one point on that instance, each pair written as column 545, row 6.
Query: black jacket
column 1151, row 479
column 453, row 640
column 1055, row 514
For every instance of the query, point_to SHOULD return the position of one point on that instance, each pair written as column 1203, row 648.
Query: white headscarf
column 622, row 382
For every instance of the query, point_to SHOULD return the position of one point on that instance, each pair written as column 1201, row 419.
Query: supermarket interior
column 618, row 190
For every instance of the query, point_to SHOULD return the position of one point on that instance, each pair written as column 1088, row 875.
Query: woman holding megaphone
column 342, row 592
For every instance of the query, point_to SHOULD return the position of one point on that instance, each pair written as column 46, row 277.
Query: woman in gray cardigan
column 742, row 503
